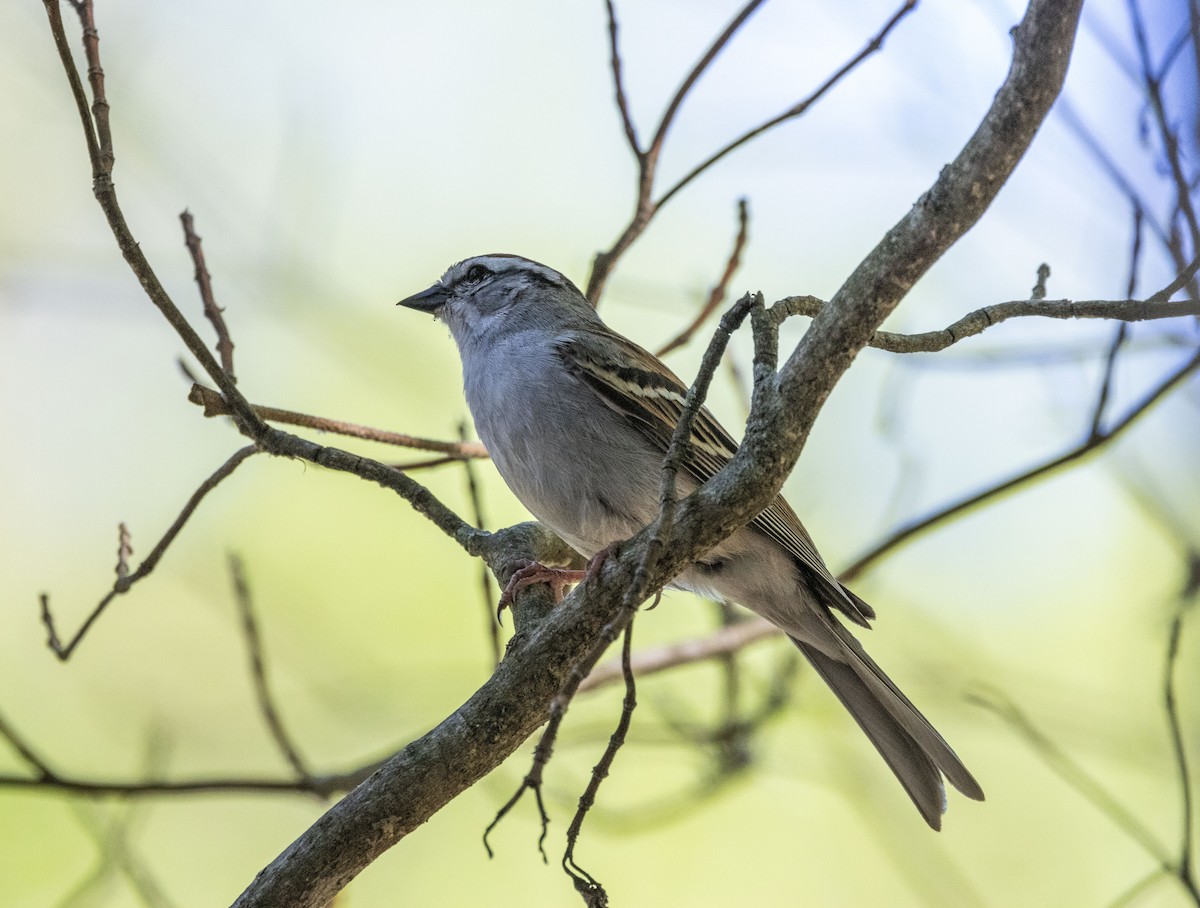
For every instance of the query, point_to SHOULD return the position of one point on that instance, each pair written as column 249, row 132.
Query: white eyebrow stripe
column 501, row 263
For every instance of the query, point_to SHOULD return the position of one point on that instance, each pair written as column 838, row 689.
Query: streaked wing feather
column 653, row 399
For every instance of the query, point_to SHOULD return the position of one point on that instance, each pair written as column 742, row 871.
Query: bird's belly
column 571, row 461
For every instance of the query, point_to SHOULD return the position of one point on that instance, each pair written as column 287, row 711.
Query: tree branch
column 975, row 323
column 216, row 405
column 716, row 296
column 125, row 580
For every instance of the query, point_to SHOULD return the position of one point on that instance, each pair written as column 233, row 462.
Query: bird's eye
column 477, row 273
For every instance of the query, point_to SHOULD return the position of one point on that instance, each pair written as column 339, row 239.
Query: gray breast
column 568, row 458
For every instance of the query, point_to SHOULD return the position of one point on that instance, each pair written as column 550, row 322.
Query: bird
column 577, row 419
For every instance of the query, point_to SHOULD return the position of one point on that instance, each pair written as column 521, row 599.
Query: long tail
column 916, row 753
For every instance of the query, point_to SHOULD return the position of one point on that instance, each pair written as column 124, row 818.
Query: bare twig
column 216, row 405
column 660, row 135
column 116, row 856
column 1072, row 773
column 1110, row 361
column 618, row 83
column 1039, row 289
column 1134, row 892
column 974, row 323
column 532, row 782
column 26, row 752
column 411, row 466
column 258, row 671
column 684, row 652
column 1074, row 122
column 321, row 785
column 486, row 586
column 91, row 46
column 1183, row 864
column 716, row 296
column 204, row 281
column 800, row 107
column 1170, row 142
column 124, row 551
column 646, row 206
column 114, row 829
column 585, row 884
column 1092, row 443
column 681, row 440
column 268, row 439
column 125, row 581
column 100, row 151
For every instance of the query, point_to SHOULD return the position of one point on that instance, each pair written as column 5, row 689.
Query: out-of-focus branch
column 729, row 639
column 716, row 296
column 487, row 588
column 258, row 671
column 1170, row 142
column 1093, row 442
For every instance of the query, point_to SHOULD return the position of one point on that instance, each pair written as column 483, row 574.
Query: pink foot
column 532, row 572
column 558, row 579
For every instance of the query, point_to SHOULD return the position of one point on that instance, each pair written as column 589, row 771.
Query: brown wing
column 629, row 380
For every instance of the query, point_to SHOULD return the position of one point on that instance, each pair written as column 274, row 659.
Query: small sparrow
column 577, row 420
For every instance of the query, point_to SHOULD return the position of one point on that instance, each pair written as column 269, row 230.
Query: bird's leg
column 558, row 579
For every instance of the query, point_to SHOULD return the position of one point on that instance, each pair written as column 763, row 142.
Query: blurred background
column 338, row 157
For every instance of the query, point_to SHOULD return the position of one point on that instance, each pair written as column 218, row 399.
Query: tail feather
column 916, row 753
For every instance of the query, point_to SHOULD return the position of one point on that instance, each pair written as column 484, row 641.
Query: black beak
column 430, row 300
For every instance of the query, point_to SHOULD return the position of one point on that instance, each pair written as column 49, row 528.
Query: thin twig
column 975, row 323
column 585, row 884
column 1088, row 446
column 411, row 466
column 646, row 206
column 799, row 108
column 486, row 586
column 677, row 450
column 684, row 652
column 1074, row 122
column 618, row 84
column 26, row 752
column 100, row 110
column 1170, row 142
column 258, row 671
column 114, row 839
column 204, row 281
column 1175, row 729
column 216, row 405
column 716, row 296
column 1072, row 773
column 321, row 785
column 125, row 582
column 689, row 81
column 1122, row 331
column 532, row 782
column 100, row 152
column 249, row 423
column 1136, row 890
